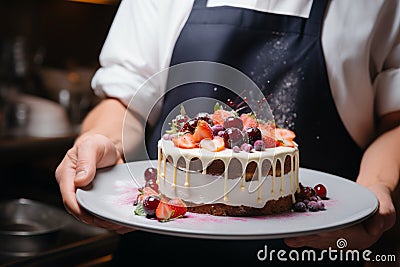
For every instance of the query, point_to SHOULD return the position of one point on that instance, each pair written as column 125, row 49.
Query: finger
column 297, row 242
column 385, row 216
column 85, row 169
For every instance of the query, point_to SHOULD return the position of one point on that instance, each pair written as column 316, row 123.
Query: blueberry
column 300, row 207
column 321, row 205
column 313, row 206
column 313, row 198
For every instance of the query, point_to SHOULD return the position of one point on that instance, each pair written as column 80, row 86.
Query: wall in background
column 66, row 33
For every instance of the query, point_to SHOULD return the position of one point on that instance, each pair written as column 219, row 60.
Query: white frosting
column 201, row 188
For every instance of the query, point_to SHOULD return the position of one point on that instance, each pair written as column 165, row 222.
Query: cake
column 226, row 164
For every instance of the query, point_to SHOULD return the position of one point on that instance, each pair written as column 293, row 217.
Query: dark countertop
column 27, row 169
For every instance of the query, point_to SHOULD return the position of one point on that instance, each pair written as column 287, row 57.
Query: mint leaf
column 139, row 210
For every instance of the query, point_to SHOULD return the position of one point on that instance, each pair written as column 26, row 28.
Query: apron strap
column 315, row 20
column 200, row 3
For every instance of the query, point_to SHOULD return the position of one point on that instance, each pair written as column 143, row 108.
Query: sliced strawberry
column 220, row 115
column 214, row 145
column 164, row 211
column 267, row 129
column 202, row 131
column 178, row 206
column 269, row 142
column 288, row 143
column 284, row 134
column 249, row 120
column 184, row 141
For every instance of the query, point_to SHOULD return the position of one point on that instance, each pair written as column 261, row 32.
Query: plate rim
column 80, row 192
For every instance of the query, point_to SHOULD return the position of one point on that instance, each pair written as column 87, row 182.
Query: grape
column 150, row 173
column 320, row 190
column 233, row 122
column 217, row 128
column 204, row 116
column 150, row 204
column 259, row 145
column 233, row 137
column 190, row 126
column 253, row 134
column 246, row 147
column 305, row 193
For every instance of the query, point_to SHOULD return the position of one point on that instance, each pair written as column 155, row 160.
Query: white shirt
column 360, row 39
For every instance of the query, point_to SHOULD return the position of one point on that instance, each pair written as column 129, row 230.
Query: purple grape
column 253, row 134
column 150, row 204
column 234, row 137
column 190, row 126
column 204, row 116
column 150, row 173
column 217, row 128
column 259, row 145
column 233, row 122
column 246, row 147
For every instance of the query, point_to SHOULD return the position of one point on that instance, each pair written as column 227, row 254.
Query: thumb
column 86, row 163
column 93, row 151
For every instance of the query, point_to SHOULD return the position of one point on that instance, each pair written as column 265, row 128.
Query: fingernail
column 81, row 174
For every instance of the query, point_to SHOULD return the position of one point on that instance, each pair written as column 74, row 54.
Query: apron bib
column 283, row 55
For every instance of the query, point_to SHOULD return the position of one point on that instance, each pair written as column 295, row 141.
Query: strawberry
column 220, row 115
column 214, row 145
column 202, row 131
column 269, row 142
column 164, row 211
column 178, row 206
column 286, row 142
column 267, row 129
column 249, row 120
column 184, row 141
column 284, row 134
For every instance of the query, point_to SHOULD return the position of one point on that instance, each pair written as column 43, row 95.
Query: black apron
column 283, row 55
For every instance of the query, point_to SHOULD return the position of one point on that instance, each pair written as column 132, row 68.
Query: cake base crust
column 280, row 205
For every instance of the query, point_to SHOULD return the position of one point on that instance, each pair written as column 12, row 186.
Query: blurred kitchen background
column 48, row 53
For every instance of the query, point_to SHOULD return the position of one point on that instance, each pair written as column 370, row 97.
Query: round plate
column 114, row 189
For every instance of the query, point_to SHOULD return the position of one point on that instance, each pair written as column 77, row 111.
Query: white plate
column 112, row 192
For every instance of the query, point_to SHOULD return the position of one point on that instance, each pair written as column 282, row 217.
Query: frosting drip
column 176, row 177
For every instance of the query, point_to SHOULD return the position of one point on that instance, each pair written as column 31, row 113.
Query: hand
column 359, row 236
column 78, row 168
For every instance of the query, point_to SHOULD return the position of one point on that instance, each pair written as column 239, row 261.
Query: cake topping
column 236, row 130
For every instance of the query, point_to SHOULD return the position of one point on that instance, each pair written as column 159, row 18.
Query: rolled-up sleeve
column 387, row 83
column 130, row 57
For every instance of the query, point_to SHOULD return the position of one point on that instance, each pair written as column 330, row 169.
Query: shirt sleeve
column 387, row 83
column 130, row 56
